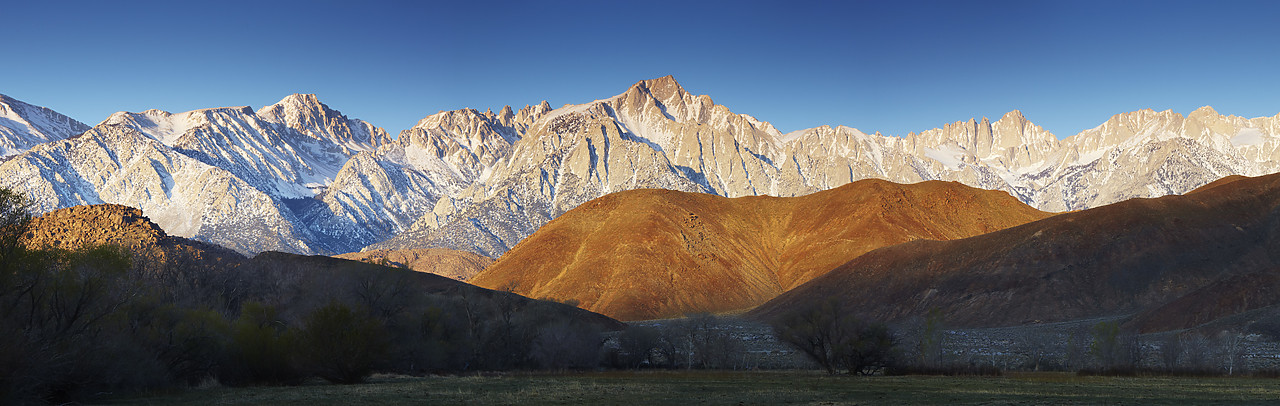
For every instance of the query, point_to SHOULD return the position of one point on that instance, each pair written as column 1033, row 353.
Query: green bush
column 341, row 346
column 261, row 351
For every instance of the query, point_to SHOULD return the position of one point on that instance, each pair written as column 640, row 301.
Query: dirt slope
column 646, row 254
column 1211, row 250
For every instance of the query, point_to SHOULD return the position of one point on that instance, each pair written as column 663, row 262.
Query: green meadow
column 739, row 388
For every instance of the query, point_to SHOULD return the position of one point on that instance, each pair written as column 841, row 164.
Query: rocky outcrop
column 151, row 249
column 80, row 226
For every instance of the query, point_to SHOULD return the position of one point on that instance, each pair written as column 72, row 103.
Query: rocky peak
column 1014, row 129
column 154, row 113
column 505, row 116
column 1013, row 115
column 529, row 114
column 664, row 89
column 1204, row 111
column 297, row 108
column 304, row 100
column 306, row 114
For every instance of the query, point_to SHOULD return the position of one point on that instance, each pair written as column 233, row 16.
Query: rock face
column 458, row 265
column 1176, row 262
column 23, row 126
column 311, row 180
column 652, row 253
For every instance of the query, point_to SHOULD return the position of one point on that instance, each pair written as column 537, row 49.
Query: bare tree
column 837, row 341
column 567, row 344
column 1171, row 351
column 1231, row 349
column 1197, row 351
column 1038, row 347
column 383, row 293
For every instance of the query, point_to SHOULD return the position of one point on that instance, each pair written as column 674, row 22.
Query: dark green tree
column 340, row 345
column 836, row 340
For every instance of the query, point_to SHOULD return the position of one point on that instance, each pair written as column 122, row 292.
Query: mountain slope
column 458, row 265
column 23, row 126
column 652, row 253
column 291, row 149
column 232, row 176
column 1119, row 259
column 117, row 164
column 381, row 193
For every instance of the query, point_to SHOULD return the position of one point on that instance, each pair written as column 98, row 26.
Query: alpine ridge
column 23, row 125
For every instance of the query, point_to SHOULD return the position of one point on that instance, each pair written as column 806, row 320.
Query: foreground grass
column 734, row 388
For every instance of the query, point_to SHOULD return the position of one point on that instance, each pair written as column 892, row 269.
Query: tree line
column 89, row 321
column 84, row 322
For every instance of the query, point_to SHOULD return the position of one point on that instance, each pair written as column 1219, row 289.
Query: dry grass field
column 740, row 388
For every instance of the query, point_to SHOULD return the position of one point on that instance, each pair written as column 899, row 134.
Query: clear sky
column 888, row 66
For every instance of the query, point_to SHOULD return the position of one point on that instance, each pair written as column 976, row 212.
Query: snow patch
column 947, row 154
column 792, row 136
column 1090, row 156
column 1249, row 137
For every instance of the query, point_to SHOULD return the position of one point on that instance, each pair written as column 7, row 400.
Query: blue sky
column 891, row 66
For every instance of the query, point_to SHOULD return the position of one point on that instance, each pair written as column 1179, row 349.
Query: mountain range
column 298, row 176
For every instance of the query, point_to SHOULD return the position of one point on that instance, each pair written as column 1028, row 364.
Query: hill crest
column 652, row 253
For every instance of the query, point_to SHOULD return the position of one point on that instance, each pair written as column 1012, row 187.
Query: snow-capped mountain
column 379, row 194
column 271, row 164
column 118, row 164
column 292, row 149
column 656, row 135
column 23, row 126
column 298, row 176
